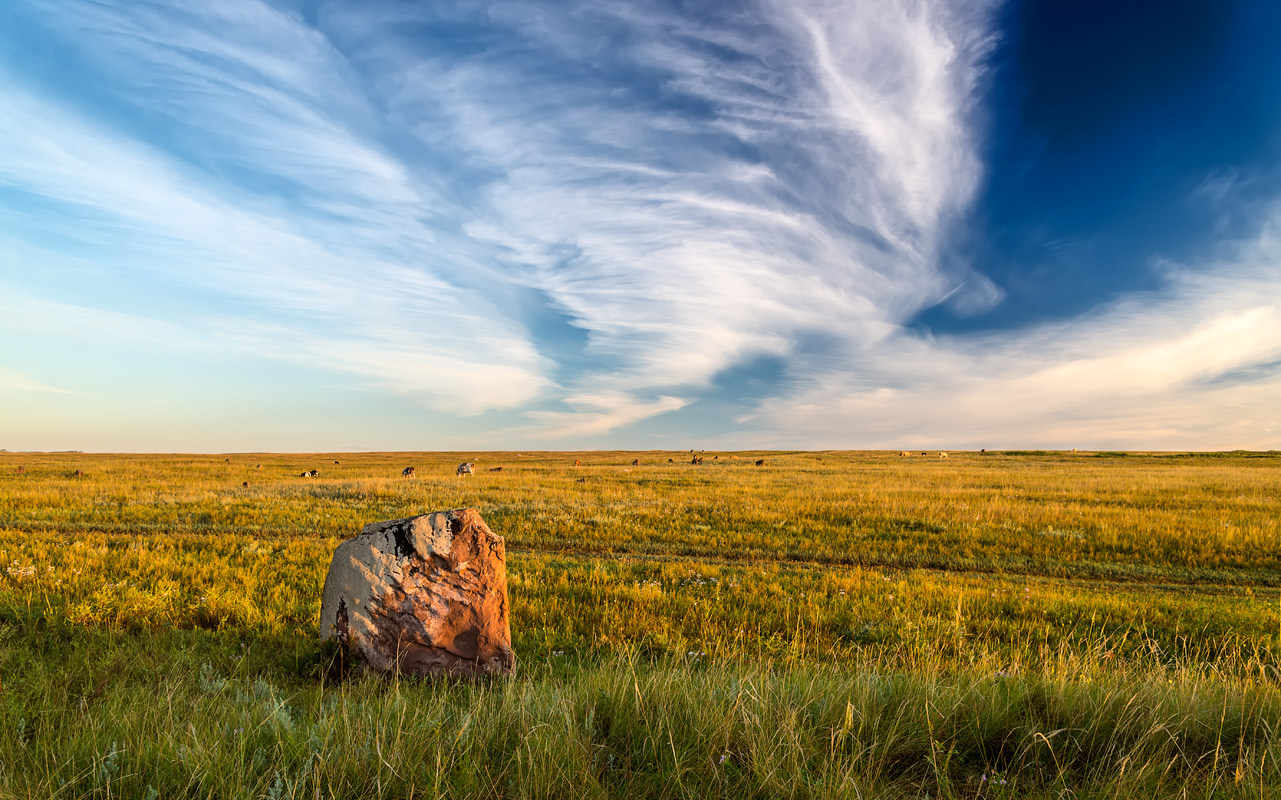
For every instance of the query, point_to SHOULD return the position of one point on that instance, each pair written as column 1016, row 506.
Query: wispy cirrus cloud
column 1196, row 365
column 755, row 178
column 587, row 217
column 334, row 251
column 768, row 176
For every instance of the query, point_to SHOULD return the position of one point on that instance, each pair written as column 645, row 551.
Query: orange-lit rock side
column 423, row 595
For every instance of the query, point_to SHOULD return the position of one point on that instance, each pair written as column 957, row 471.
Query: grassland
column 825, row 625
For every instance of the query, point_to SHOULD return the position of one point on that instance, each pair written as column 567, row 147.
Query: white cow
column 466, row 468
column 942, row 455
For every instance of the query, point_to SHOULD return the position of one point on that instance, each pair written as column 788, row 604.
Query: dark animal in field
column 669, row 461
column 245, row 485
column 577, row 462
column 257, row 466
column 407, row 472
column 495, row 469
column 581, row 480
column 982, row 450
column 760, row 462
column 78, row 474
column 925, row 454
column 227, row 460
column 21, row 470
column 696, row 460
column 716, row 458
column 335, row 461
column 466, row 468
column 635, row 462
column 311, row 473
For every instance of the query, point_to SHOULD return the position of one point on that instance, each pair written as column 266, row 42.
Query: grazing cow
column 925, row 454
column 760, row 462
column 407, row 472
column 942, row 455
column 335, row 461
column 78, row 474
column 982, row 449
column 669, row 461
column 635, row 462
column 245, row 485
column 1073, row 449
column 696, row 460
column 716, row 458
column 257, row 466
column 228, row 460
column 577, row 462
column 495, row 469
column 311, row 473
column 466, row 468
column 904, row 454
column 21, row 469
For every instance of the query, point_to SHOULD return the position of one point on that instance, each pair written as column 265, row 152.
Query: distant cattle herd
column 468, row 468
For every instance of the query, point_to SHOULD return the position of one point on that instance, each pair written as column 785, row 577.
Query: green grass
column 826, row 625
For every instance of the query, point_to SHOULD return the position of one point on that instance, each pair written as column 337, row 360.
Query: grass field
column 824, row 625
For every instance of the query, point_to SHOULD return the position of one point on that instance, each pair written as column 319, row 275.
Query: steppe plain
column 827, row 624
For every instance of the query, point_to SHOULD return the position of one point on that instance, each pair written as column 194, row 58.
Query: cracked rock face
column 422, row 595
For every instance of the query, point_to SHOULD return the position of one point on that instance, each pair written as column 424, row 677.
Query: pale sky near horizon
column 295, row 225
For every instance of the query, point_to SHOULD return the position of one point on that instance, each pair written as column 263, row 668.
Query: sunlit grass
column 825, row 625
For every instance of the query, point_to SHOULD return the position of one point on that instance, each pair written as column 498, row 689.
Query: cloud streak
column 1194, row 366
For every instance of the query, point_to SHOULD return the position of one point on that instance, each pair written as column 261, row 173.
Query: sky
column 285, row 225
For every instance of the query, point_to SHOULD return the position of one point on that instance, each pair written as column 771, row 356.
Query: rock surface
column 423, row 595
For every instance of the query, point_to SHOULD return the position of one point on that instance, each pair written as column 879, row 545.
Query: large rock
column 421, row 595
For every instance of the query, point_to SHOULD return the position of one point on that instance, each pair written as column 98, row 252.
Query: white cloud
column 594, row 415
column 339, row 195
column 352, row 266
column 1197, row 365
column 680, row 259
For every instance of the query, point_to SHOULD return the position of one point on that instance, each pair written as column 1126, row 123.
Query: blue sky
column 306, row 226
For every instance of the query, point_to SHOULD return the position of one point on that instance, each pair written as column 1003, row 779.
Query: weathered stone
column 422, row 595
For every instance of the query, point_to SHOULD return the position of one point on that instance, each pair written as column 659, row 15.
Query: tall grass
column 827, row 625
column 168, row 715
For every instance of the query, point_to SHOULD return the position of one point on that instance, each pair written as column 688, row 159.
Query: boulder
column 423, row 595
